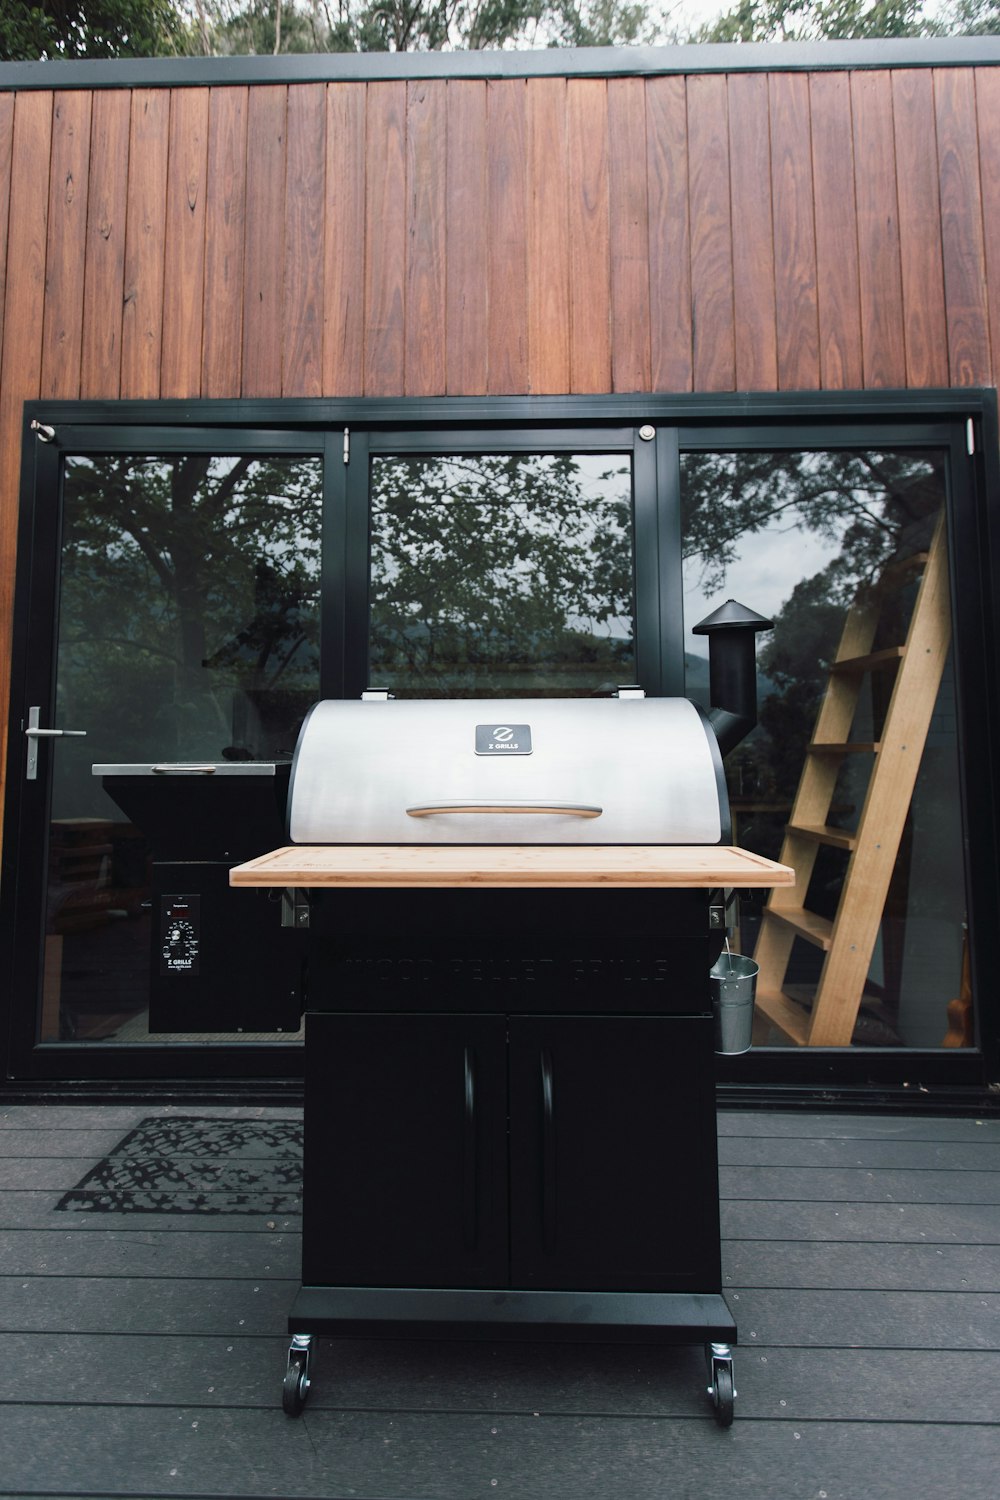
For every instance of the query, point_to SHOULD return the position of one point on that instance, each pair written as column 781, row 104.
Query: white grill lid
column 507, row 771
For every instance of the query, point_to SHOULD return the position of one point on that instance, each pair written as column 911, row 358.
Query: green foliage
column 221, row 27
column 266, row 26
column 88, row 28
column 812, row 20
column 150, row 28
column 974, row 18
column 604, row 23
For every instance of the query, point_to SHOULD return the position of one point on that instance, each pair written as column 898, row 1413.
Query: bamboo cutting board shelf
column 505, row 865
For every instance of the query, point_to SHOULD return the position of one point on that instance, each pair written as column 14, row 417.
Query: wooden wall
column 752, row 231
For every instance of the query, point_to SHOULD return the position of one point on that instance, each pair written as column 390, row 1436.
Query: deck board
column 147, row 1263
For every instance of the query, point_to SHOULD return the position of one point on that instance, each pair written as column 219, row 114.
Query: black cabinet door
column 405, row 1151
column 613, row 1161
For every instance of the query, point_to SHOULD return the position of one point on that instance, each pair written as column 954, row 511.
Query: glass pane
column 832, row 546
column 501, row 575
column 188, row 631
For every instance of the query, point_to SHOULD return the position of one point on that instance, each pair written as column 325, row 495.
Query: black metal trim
column 333, row 572
column 625, row 1317
column 489, row 438
column 652, row 666
column 863, row 1099
column 685, row 410
column 357, row 556
column 541, row 62
column 965, row 1102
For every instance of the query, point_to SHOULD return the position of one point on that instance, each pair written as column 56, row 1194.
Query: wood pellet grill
column 510, row 1131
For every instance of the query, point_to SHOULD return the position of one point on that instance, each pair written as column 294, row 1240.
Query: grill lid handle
column 568, row 809
column 176, row 768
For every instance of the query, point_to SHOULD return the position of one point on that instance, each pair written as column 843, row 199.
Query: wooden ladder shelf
column 849, row 939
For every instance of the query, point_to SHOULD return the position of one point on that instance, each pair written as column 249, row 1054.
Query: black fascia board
column 687, row 410
column 541, row 62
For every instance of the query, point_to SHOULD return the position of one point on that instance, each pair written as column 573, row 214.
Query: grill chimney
column 732, row 669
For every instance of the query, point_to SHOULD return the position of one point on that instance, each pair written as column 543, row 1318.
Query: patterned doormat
column 197, row 1165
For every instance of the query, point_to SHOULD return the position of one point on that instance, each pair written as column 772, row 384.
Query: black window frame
column 655, row 511
column 955, row 420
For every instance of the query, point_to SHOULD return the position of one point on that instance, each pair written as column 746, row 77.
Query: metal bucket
column 734, row 983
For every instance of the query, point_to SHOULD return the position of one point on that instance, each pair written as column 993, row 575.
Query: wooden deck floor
column 148, row 1257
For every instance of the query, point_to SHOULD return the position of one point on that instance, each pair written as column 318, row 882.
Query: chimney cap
column 732, row 616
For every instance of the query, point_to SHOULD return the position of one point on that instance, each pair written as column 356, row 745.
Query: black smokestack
column 732, row 666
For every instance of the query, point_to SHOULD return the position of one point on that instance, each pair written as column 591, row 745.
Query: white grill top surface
column 505, row 771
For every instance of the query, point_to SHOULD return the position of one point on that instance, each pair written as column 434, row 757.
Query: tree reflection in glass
column 505, row 574
column 801, row 536
column 189, row 610
column 188, row 630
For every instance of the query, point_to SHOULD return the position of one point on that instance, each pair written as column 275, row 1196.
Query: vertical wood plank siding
column 547, row 247
column 879, row 266
column 145, row 235
column 65, row 254
column 589, row 235
column 753, row 244
column 305, row 262
column 629, row 229
column 834, row 230
column 988, row 113
column 23, row 315
column 793, row 197
column 549, row 235
column 962, row 228
column 506, row 249
column 426, row 305
column 225, row 230
column 344, row 242
column 184, row 244
column 264, row 242
column 385, row 239
column 670, row 312
column 104, row 271
column 713, row 335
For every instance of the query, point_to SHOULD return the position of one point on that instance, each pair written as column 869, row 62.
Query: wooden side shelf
column 519, row 865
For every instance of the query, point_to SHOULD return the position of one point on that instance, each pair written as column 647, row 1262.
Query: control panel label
column 180, row 934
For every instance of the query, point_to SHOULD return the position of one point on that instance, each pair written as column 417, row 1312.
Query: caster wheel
column 295, row 1387
column 723, row 1394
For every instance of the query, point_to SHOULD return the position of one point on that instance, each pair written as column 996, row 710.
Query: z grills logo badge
column 503, row 739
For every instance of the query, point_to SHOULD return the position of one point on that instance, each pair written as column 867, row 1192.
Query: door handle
column 34, row 733
column 548, row 1152
column 470, row 1226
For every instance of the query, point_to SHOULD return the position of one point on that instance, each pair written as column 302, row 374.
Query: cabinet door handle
column 548, row 1153
column 470, row 1224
